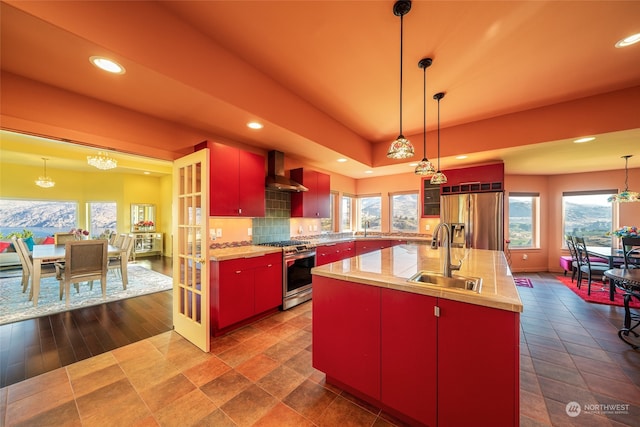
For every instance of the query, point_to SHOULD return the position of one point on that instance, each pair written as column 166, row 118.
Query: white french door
column 190, row 245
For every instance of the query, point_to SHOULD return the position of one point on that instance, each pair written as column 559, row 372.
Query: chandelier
column 626, row 195
column 102, row 161
column 44, row 181
column 401, row 148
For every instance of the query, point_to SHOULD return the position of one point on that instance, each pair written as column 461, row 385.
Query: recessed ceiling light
column 585, row 139
column 107, row 65
column 461, row 157
column 628, row 41
column 368, row 171
column 255, row 125
column 342, row 160
column 147, row 173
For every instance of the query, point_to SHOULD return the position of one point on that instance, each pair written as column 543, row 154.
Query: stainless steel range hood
column 275, row 174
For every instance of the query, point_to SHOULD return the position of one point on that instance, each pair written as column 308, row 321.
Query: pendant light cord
column 424, row 119
column 626, row 173
column 401, row 38
column 439, row 134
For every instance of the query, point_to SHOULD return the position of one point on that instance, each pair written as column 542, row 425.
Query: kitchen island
column 428, row 355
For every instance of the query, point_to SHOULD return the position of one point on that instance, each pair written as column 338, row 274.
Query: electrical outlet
column 219, row 232
column 249, row 231
column 212, row 235
column 310, row 227
column 315, row 227
column 525, row 256
column 427, row 227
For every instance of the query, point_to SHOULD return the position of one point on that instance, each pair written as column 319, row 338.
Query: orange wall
column 551, row 189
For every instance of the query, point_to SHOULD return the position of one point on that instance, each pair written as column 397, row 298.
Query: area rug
column 597, row 296
column 523, row 281
column 15, row 306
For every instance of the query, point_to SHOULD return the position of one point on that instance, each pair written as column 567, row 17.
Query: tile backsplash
column 275, row 224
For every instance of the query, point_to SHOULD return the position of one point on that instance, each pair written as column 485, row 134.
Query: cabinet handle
column 269, row 265
column 240, row 210
column 238, row 271
column 436, row 311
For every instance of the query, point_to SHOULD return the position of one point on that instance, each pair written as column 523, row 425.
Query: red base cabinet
column 409, row 376
column 244, row 288
column 456, row 365
column 326, row 254
column 348, row 319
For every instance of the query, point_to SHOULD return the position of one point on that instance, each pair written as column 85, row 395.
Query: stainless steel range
column 298, row 257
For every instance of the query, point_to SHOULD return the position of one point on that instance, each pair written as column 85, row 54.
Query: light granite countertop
column 391, row 267
column 246, row 251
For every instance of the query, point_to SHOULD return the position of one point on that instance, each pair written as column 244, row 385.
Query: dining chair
column 47, row 270
column 587, row 266
column 631, row 248
column 119, row 240
column 115, row 263
column 84, row 261
column 62, row 238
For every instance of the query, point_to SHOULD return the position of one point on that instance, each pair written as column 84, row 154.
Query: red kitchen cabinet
column 314, row 203
column 236, row 181
column 243, row 288
column 349, row 336
column 408, row 363
column 326, row 254
column 369, row 245
column 482, row 363
column 395, row 350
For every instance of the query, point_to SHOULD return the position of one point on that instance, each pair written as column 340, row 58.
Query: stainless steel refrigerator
column 476, row 219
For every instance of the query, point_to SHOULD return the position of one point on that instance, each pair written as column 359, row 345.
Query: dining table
column 46, row 254
column 627, row 280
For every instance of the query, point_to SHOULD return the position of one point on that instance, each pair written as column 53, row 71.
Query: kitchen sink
column 431, row 278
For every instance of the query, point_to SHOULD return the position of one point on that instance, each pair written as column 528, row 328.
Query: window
column 41, row 217
column 404, row 212
column 588, row 214
column 524, row 220
column 369, row 208
column 102, row 217
column 326, row 224
column 346, row 214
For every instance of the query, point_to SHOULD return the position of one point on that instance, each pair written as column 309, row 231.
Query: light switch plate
column 249, row 231
column 219, row 232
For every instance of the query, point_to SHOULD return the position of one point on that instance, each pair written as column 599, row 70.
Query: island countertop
column 392, row 267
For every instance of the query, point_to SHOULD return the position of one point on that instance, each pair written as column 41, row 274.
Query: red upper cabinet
column 236, row 182
column 314, row 203
column 474, row 179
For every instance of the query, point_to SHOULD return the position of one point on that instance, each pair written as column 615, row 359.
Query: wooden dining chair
column 62, row 238
column 115, row 263
column 47, row 270
column 84, row 261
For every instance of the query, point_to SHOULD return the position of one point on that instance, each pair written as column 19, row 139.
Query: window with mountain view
column 41, row 217
column 588, row 214
column 346, row 214
column 369, row 212
column 524, row 220
column 404, row 212
column 102, row 218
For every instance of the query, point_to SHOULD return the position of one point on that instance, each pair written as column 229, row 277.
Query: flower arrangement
column 145, row 224
column 79, row 233
column 626, row 231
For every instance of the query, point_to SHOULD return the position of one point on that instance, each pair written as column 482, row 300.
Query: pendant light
column 439, row 177
column 626, row 195
column 44, row 181
column 401, row 148
column 425, row 167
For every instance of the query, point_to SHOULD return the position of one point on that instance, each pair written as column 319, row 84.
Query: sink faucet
column 366, row 225
column 448, row 267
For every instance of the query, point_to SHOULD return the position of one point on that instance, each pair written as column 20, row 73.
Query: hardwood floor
column 35, row 346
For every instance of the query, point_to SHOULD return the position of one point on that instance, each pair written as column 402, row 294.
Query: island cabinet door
column 409, row 364
column 346, row 333
column 478, row 365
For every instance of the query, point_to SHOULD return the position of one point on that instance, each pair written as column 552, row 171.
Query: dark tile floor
column 262, row 375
